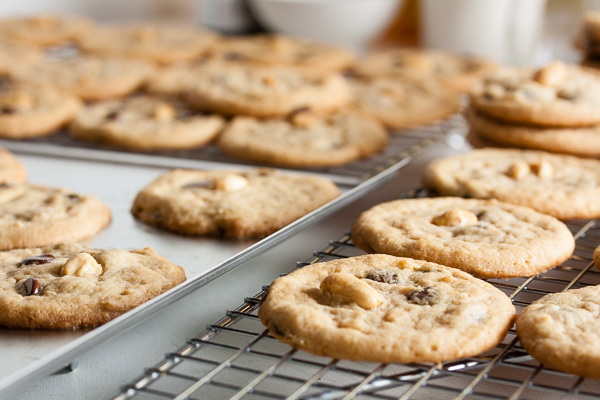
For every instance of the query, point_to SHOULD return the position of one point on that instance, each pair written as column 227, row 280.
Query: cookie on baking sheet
column 584, row 141
column 564, row 186
column 304, row 139
column 145, row 123
column 556, row 95
column 264, row 91
column 230, row 204
column 281, row 50
column 29, row 111
column 89, row 77
column 44, row 30
column 163, row 44
column 14, row 56
column 452, row 70
column 69, row 286
column 561, row 330
column 485, row 238
column 38, row 215
column 401, row 102
column 11, row 170
column 386, row 309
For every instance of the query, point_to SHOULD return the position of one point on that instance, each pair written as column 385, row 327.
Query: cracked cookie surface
column 563, row 186
column 488, row 239
column 37, row 216
column 69, row 286
column 382, row 308
column 231, row 204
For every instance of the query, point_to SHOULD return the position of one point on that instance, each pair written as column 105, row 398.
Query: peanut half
column 81, row 264
column 350, row 287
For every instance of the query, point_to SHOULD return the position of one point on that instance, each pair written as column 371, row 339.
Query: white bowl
column 350, row 23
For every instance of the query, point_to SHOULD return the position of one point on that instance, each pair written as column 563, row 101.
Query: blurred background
column 515, row 32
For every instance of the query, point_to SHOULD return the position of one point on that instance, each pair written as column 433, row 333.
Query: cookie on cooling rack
column 304, row 139
column 267, row 91
column 486, row 238
column 230, row 204
column 584, row 141
column 68, row 285
column 37, row 216
column 401, row 103
column 561, row 330
column 89, row 77
column 556, row 95
column 386, row 309
column 11, row 170
column 31, row 111
column 563, row 186
column 145, row 123
column 163, row 44
column 44, row 30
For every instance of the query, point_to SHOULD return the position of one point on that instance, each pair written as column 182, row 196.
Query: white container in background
column 507, row 31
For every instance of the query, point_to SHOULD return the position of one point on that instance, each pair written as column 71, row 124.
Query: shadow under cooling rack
column 236, row 358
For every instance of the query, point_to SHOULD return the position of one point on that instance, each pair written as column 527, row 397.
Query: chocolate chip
column 422, row 297
column 73, row 196
column 7, row 110
column 4, row 185
column 205, row 184
column 277, row 330
column 383, row 277
column 29, row 287
column 112, row 116
column 38, row 260
column 298, row 110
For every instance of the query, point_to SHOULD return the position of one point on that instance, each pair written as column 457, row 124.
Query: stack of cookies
column 554, row 108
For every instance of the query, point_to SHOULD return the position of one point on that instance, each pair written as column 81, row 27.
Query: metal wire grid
column 236, row 358
column 354, row 172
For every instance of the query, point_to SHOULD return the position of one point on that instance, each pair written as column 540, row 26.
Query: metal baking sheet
column 116, row 178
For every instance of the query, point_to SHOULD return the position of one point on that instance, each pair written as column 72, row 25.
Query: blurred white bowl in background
column 352, row 23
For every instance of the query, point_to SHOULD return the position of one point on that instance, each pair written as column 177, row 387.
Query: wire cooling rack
column 236, row 358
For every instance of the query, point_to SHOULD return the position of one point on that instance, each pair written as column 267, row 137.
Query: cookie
column 145, row 123
column 44, row 30
column 30, row 111
column 556, row 95
column 454, row 71
column 11, row 170
column 89, row 77
column 386, row 309
column 70, row 286
column 485, row 238
column 230, row 204
column 14, row 56
column 400, row 103
column 561, row 331
column 584, row 141
column 33, row 216
column 304, row 139
column 267, row 91
column 163, row 44
column 564, row 186
column 281, row 50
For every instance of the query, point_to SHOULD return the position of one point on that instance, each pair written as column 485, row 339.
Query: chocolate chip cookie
column 304, row 139
column 89, row 77
column 564, row 186
column 69, row 286
column 11, row 170
column 30, row 111
column 230, row 204
column 146, row 123
column 561, row 330
column 454, row 71
column 386, row 309
column 485, row 238
column 401, row 103
column 263, row 91
column 163, row 44
column 44, row 30
column 37, row 216
column 556, row 95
